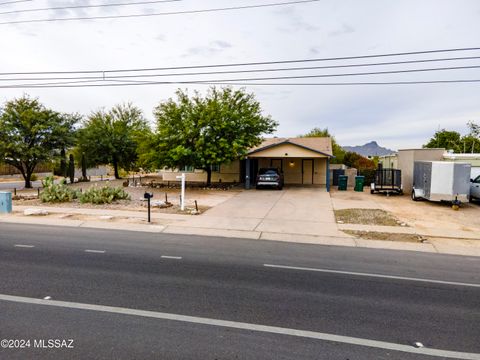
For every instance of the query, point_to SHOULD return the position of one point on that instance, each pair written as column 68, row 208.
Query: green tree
column 204, row 131
column 337, row 150
column 474, row 129
column 112, row 137
column 471, row 141
column 31, row 134
column 449, row 140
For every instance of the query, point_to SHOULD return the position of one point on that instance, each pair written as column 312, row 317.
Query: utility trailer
column 441, row 181
column 387, row 180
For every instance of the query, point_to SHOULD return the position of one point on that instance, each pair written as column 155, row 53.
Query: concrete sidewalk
column 280, row 219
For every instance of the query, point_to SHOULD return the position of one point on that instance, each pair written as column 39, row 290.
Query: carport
column 303, row 161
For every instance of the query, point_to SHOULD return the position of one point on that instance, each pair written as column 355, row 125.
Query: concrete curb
column 460, row 247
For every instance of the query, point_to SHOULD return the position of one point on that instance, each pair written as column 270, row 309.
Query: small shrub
column 34, row 177
column 103, row 195
column 56, row 192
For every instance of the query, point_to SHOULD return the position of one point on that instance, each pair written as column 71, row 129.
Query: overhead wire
column 86, row 6
column 124, row 77
column 278, row 62
column 184, row 12
column 66, row 85
column 100, row 77
column 14, row 2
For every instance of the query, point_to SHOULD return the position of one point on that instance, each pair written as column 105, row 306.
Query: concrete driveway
column 302, row 211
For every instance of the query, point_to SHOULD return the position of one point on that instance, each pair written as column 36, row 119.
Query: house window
column 186, row 168
column 215, row 168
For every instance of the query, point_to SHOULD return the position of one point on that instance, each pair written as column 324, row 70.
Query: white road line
column 171, row 257
column 24, row 246
column 247, row 326
column 95, row 251
column 372, row 275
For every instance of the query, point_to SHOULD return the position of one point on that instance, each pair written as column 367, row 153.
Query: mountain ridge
column 369, row 149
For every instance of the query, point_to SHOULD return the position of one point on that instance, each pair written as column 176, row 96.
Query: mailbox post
column 182, row 196
column 148, row 196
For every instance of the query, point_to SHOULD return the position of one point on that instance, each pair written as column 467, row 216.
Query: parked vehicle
column 441, row 181
column 474, row 189
column 387, row 180
column 271, row 177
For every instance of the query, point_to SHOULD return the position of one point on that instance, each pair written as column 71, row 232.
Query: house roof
column 321, row 145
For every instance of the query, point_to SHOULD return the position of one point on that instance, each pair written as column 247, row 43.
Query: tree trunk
column 209, row 175
column 115, row 168
column 28, row 176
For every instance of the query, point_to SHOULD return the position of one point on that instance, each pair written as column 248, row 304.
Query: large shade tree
column 337, row 150
column 445, row 139
column 205, row 131
column 453, row 140
column 112, row 137
column 31, row 134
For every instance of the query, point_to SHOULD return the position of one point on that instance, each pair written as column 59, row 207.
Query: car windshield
column 267, row 172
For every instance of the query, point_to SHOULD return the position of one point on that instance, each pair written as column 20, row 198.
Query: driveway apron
column 302, row 211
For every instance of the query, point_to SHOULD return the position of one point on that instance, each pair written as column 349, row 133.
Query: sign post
column 182, row 196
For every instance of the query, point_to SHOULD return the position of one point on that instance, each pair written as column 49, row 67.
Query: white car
column 475, row 188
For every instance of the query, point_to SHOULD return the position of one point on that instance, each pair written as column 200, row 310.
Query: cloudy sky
column 397, row 116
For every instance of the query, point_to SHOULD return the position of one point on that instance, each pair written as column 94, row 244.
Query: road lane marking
column 95, row 251
column 24, row 246
column 372, row 275
column 246, row 326
column 171, row 257
column 47, row 298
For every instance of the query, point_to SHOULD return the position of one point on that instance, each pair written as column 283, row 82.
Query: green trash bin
column 342, row 182
column 359, row 182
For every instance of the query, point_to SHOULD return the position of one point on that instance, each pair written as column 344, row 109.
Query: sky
column 396, row 116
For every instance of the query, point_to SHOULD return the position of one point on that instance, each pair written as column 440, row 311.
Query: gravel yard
column 421, row 214
column 206, row 198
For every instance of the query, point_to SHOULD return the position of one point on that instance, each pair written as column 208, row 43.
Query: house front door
column 307, row 171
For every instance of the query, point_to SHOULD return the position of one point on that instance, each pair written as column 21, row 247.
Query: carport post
column 247, row 173
column 328, row 174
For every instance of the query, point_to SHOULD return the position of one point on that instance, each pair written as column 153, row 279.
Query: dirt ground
column 206, row 198
column 375, row 235
column 418, row 214
column 366, row 217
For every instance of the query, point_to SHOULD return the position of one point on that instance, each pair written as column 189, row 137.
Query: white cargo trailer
column 441, row 181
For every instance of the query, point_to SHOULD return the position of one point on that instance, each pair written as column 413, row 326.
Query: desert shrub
column 56, row 192
column 34, row 177
column 103, row 195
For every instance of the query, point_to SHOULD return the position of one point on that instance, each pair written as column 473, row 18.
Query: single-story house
column 303, row 161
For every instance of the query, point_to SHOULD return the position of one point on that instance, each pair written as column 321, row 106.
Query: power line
column 102, row 77
column 160, row 14
column 68, row 85
column 14, row 2
column 269, row 63
column 86, row 6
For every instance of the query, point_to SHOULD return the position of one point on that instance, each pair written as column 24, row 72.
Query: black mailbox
column 148, row 195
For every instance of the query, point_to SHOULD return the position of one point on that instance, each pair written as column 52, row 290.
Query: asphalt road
column 129, row 295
